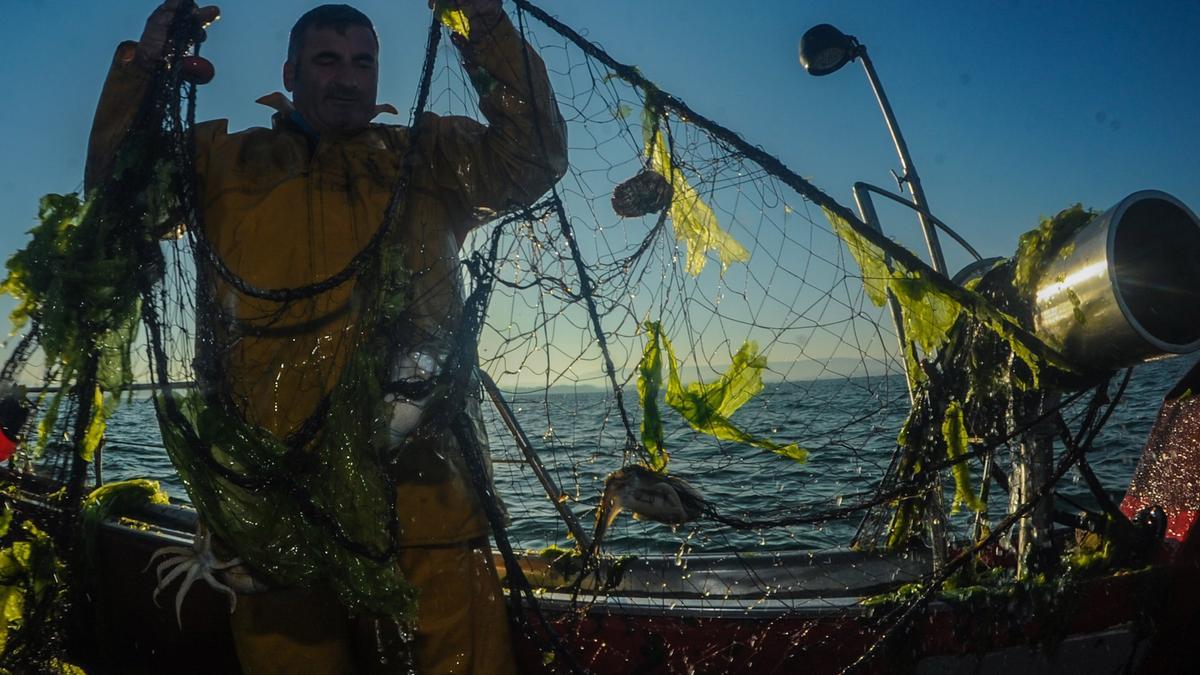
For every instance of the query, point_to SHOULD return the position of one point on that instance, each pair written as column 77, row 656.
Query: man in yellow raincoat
column 291, row 205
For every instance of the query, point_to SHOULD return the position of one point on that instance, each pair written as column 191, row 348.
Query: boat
column 711, row 615
column 943, row 597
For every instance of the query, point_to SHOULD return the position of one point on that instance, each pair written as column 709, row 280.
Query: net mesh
column 768, row 426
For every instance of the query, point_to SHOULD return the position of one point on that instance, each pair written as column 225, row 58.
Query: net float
column 197, row 69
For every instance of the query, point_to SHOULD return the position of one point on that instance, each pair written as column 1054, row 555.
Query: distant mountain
column 777, row 371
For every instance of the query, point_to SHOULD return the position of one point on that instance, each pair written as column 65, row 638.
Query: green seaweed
column 567, row 563
column 929, row 310
column 649, row 386
column 928, row 314
column 31, row 581
column 1037, row 248
column 968, row 353
column 875, row 267
column 1076, row 309
column 454, row 19
column 954, row 430
column 112, row 499
column 78, row 279
column 693, row 219
column 707, row 408
column 1091, row 553
column 341, row 473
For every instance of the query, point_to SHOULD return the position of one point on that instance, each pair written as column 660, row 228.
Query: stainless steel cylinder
column 1127, row 287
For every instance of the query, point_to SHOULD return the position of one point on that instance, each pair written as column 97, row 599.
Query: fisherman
column 291, row 205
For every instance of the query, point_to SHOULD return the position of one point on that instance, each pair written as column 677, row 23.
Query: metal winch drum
column 1126, row 288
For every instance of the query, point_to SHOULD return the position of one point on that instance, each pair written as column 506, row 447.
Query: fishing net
column 681, row 328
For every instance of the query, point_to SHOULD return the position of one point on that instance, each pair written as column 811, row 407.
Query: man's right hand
column 158, row 26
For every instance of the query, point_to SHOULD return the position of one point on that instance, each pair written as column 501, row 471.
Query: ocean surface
column 849, row 428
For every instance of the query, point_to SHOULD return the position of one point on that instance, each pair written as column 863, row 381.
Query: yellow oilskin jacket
column 285, row 209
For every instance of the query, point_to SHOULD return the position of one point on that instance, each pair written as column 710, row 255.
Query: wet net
column 680, row 329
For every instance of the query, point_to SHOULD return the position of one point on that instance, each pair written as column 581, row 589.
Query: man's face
column 335, row 78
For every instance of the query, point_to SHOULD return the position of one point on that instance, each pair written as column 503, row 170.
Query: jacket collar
column 286, row 114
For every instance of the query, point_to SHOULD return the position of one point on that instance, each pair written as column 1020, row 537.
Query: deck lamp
column 825, row 49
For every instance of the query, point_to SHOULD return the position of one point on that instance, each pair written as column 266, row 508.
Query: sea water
column 579, row 439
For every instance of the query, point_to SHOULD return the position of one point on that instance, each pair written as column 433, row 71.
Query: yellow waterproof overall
column 283, row 209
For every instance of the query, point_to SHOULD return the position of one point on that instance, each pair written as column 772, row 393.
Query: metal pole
column 936, row 508
column 1034, row 465
column 906, row 164
column 866, row 208
column 935, row 504
column 867, row 188
column 557, row 497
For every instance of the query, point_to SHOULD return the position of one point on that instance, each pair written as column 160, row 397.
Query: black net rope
column 561, row 294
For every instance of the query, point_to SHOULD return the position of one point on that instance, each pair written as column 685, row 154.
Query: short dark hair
column 337, row 17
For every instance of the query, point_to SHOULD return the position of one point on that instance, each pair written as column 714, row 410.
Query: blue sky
column 1013, row 109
